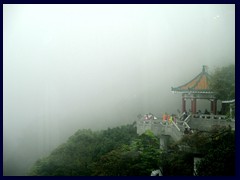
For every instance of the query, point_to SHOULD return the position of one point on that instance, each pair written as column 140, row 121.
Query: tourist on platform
column 146, row 116
column 175, row 119
column 150, row 116
column 168, row 117
column 164, row 118
column 170, row 120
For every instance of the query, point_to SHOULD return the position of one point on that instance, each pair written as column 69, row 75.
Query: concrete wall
column 158, row 129
column 164, row 132
column 206, row 124
column 153, row 125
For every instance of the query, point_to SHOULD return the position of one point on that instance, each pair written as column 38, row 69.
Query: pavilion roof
column 199, row 84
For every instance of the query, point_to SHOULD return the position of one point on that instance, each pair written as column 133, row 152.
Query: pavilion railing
column 206, row 116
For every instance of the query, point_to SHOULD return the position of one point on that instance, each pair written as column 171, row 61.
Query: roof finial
column 204, row 69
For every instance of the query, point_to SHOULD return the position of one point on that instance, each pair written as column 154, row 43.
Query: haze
column 69, row 67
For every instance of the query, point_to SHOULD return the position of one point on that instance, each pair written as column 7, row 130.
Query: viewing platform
column 197, row 89
column 177, row 129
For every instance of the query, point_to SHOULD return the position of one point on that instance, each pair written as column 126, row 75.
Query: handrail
column 186, row 124
column 181, row 115
column 187, row 118
column 176, row 126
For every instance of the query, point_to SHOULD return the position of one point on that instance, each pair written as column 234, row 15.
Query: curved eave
column 194, row 85
column 194, row 92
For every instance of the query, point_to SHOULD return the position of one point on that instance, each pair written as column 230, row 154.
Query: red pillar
column 183, row 104
column 214, row 106
column 193, row 105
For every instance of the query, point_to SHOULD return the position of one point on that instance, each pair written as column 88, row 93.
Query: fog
column 69, row 67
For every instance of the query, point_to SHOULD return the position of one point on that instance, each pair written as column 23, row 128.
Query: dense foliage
column 216, row 148
column 77, row 155
column 223, row 82
column 117, row 151
column 139, row 158
column 220, row 155
column 121, row 152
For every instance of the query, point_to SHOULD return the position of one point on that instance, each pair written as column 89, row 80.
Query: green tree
column 139, row 158
column 77, row 156
column 216, row 147
column 176, row 163
column 220, row 155
column 222, row 82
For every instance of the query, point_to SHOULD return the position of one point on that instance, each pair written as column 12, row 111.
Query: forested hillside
column 121, row 152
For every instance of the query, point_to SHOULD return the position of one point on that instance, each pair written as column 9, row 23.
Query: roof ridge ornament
column 205, row 69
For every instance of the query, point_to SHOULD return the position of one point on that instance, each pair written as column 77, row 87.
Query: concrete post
column 164, row 139
column 211, row 106
column 215, row 106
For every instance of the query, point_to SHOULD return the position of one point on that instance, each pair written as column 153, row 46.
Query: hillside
column 120, row 151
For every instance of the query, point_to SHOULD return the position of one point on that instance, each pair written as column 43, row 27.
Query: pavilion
column 197, row 88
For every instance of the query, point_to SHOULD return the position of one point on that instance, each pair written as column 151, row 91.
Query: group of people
column 168, row 119
column 149, row 116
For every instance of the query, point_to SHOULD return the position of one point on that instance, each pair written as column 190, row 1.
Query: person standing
column 170, row 120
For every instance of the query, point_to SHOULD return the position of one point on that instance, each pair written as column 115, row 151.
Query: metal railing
column 176, row 126
column 187, row 118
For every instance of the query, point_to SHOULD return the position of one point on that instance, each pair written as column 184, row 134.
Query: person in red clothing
column 168, row 117
column 164, row 118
